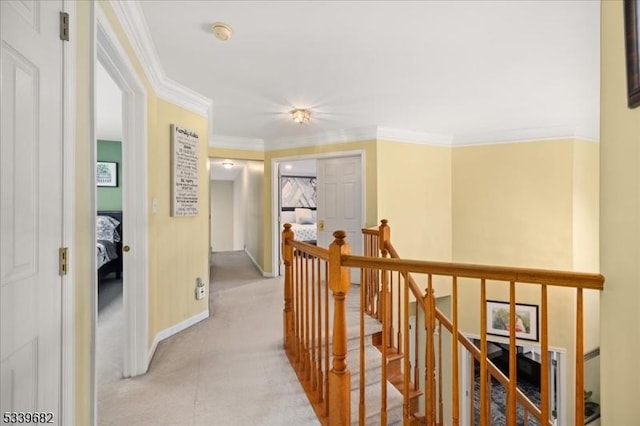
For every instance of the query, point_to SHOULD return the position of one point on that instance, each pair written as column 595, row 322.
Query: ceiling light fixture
column 222, row 31
column 300, row 116
column 227, row 164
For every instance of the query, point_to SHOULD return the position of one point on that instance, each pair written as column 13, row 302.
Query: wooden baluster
column 399, row 336
column 579, row 396
column 405, row 350
column 384, row 233
column 307, row 324
column 416, row 351
column 544, row 364
column 314, row 365
column 319, row 325
column 385, row 344
column 455, row 402
column 440, row 403
column 287, row 254
column 326, row 343
column 429, row 318
column 339, row 377
column 296, row 309
column 390, row 330
column 297, row 303
column 301, row 351
column 361, row 396
column 513, row 367
column 484, row 403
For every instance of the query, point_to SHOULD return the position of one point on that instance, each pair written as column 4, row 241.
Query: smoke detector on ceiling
column 222, row 31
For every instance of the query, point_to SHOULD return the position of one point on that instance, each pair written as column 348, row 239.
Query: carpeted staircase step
column 373, row 394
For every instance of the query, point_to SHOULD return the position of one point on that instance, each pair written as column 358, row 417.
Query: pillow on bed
column 304, row 216
column 288, row 217
column 106, row 229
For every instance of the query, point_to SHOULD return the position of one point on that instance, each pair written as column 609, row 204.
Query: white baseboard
column 264, row 274
column 168, row 332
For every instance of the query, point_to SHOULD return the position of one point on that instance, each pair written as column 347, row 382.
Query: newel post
column 384, row 308
column 384, row 231
column 339, row 376
column 287, row 255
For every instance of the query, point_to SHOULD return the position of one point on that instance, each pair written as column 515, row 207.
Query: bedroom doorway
column 109, row 232
column 292, row 188
column 132, row 177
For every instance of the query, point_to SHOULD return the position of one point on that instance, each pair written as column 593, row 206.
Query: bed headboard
column 113, row 213
column 116, row 214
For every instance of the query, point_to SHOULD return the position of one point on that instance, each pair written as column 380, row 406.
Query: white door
column 340, row 203
column 30, row 206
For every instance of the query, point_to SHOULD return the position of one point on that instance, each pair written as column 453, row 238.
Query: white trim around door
column 275, row 193
column 115, row 61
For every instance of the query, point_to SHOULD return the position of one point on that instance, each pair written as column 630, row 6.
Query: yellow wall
column 512, row 204
column 371, row 213
column 619, row 228
column 528, row 205
column 178, row 246
column 235, row 154
column 415, row 196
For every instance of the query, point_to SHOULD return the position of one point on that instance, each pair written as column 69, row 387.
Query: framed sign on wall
column 184, row 172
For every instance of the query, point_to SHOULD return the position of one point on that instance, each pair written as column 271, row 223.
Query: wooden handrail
column 311, row 270
column 545, row 276
column 463, row 270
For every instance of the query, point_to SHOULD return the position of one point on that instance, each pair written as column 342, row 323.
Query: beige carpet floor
column 227, row 370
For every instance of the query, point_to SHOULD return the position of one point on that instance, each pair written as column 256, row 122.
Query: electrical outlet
column 200, row 289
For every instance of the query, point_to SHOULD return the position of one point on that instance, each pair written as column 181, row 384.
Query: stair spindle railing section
column 431, row 360
column 420, row 358
column 314, row 323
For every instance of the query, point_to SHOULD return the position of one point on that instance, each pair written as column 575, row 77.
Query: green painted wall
column 110, row 198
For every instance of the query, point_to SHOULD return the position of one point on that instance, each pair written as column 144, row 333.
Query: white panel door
column 30, row 206
column 340, row 202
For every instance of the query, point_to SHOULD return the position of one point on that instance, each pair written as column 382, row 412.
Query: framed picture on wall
column 107, row 173
column 298, row 191
column 526, row 320
column 632, row 41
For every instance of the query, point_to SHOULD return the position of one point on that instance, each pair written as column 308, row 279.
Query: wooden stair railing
column 377, row 243
column 386, row 291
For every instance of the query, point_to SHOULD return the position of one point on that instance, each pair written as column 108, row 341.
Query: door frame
column 68, row 336
column 464, row 365
column 106, row 49
column 276, row 231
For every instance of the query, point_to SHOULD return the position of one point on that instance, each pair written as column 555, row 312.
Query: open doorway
column 528, row 368
column 109, row 232
column 132, row 178
column 236, row 218
column 318, row 194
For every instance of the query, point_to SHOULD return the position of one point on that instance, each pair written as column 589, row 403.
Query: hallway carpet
column 227, row 370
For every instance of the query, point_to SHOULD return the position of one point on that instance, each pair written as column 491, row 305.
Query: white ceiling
column 451, row 72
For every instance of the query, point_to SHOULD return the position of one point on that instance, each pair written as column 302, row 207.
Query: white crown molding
column 520, row 135
column 130, row 15
column 360, row 134
column 324, row 138
column 408, row 136
column 234, row 142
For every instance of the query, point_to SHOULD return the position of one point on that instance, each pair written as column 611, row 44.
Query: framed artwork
column 632, row 41
column 298, row 191
column 107, row 173
column 526, row 320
